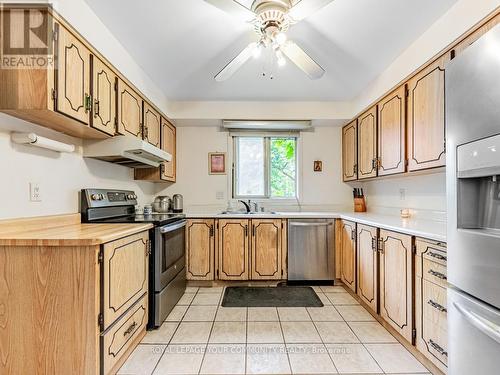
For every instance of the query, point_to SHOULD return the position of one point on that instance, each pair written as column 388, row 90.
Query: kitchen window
column 265, row 167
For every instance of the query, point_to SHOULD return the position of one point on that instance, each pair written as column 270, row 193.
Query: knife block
column 359, row 204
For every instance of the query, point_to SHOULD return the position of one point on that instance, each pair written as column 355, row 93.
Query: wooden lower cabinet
column 266, row 254
column 78, row 309
column 396, row 282
column 367, row 265
column 430, row 301
column 347, row 244
column 200, row 249
column 233, row 261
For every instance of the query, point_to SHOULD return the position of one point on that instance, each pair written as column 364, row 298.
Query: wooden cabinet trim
column 373, row 298
column 350, row 170
column 371, row 171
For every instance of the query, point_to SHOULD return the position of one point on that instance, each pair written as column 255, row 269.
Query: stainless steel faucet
column 247, row 205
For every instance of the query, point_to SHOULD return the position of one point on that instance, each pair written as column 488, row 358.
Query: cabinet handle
column 439, row 275
column 246, row 230
column 253, row 230
column 87, row 102
column 353, row 235
column 374, row 163
column 381, row 245
column 437, row 256
column 211, row 230
column 96, row 108
column 374, row 244
column 355, row 168
column 130, row 329
column 437, row 306
column 438, row 348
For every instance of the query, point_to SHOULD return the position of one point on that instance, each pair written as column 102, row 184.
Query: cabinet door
column 152, row 125
column 104, row 96
column 426, row 127
column 129, row 111
column 367, row 144
column 391, row 133
column 200, row 248
column 73, row 77
column 367, row 265
column 348, row 254
column 266, row 249
column 169, row 142
column 396, row 277
column 350, row 152
column 233, row 249
column 125, row 275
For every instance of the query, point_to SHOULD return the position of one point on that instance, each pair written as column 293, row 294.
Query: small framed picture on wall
column 216, row 163
column 318, row 166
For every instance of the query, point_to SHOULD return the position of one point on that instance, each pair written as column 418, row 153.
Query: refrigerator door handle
column 484, row 325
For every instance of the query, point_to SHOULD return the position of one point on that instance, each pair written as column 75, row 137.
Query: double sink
column 248, row 213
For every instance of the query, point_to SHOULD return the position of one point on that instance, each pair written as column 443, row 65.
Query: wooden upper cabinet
column 72, row 76
column 367, row 265
column 350, row 152
column 266, row 255
column 426, row 127
column 367, row 144
column 396, row 282
column 348, row 254
column 169, row 144
column 200, row 249
column 233, row 249
column 129, row 111
column 104, row 97
column 152, row 125
column 392, row 133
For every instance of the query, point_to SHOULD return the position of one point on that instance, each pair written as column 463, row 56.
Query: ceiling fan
column 271, row 20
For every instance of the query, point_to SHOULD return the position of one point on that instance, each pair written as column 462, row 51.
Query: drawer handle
column 130, row 329
column 437, row 306
column 439, row 275
column 438, row 348
column 437, row 256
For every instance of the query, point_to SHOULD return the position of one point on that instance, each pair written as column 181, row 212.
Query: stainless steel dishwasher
column 311, row 249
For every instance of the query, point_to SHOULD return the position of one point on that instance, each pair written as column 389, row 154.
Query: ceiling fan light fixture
column 280, row 59
column 257, row 51
column 280, row 38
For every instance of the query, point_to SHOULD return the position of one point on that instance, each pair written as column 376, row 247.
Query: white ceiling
column 182, row 44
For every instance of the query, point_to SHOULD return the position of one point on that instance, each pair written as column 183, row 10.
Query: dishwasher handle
column 303, row 224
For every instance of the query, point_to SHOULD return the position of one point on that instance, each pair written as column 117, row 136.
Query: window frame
column 267, row 167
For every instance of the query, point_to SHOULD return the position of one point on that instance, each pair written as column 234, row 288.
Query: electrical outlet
column 402, row 194
column 219, row 195
column 35, row 192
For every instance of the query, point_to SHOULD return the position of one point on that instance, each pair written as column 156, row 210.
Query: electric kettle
column 177, row 203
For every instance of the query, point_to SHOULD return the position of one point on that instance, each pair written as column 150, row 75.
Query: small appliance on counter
column 162, row 204
column 359, row 200
column 177, row 203
column 167, row 273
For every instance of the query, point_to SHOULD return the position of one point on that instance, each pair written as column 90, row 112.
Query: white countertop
column 430, row 229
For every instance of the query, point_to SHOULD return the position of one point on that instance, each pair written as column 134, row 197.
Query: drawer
column 124, row 275
column 434, row 251
column 121, row 336
column 434, row 272
column 434, row 321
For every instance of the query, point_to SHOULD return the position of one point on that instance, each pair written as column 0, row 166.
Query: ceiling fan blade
column 236, row 63
column 302, row 60
column 233, row 8
column 305, row 8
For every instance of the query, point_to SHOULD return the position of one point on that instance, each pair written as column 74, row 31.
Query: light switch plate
column 35, row 192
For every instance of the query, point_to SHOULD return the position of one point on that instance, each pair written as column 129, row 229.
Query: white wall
column 60, row 175
column 199, row 188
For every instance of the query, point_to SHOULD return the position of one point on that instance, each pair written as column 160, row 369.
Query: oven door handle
column 171, row 227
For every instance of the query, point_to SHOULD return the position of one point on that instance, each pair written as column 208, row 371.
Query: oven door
column 170, row 248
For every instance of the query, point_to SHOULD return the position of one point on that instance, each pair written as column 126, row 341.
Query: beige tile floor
column 201, row 337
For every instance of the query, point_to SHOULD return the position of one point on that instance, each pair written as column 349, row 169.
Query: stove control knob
column 95, row 197
column 134, row 196
column 130, row 196
column 101, row 197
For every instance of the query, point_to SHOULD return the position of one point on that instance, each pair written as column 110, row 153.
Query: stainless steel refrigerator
column 473, row 201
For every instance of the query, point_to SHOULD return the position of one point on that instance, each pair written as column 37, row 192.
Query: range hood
column 126, row 150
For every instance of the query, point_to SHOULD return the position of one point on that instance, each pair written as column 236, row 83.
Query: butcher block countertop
column 62, row 230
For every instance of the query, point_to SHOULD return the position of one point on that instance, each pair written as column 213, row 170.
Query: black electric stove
column 167, row 279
